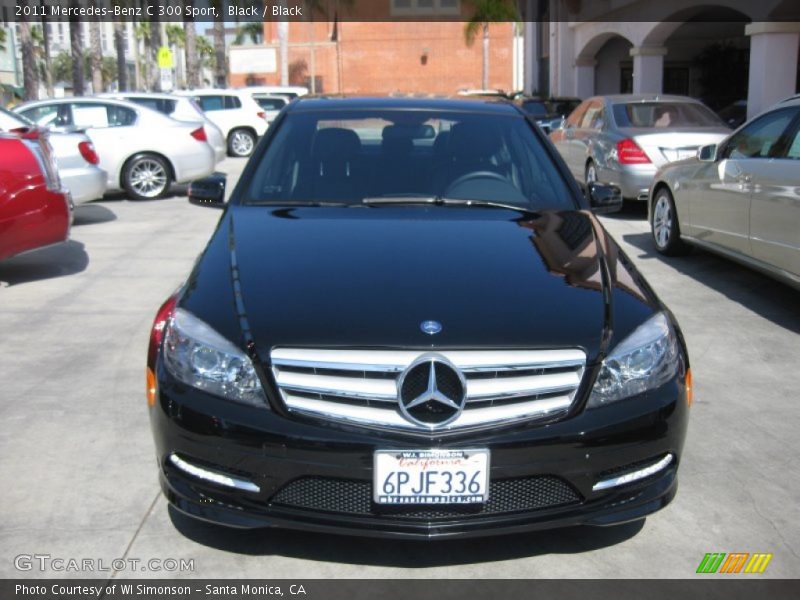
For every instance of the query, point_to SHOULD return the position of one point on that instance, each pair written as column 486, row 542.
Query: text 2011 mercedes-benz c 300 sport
column 409, row 323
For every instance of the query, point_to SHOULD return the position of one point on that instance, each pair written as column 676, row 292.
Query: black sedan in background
column 409, row 323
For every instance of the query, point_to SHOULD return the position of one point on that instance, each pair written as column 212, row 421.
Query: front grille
column 361, row 386
column 345, row 496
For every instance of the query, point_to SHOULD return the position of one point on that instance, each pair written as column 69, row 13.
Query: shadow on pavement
column 759, row 293
column 63, row 259
column 632, row 210
column 177, row 190
column 400, row 553
column 89, row 214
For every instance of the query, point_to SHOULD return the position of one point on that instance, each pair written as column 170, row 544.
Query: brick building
column 381, row 57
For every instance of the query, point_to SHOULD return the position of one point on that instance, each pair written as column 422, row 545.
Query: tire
column 664, row 225
column 146, row 177
column 590, row 175
column 241, row 143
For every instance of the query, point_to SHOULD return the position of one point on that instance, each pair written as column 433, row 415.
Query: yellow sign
column 164, row 58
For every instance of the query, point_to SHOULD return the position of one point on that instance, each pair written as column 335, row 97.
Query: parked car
column 547, row 112
column 181, row 108
column 287, row 91
column 623, row 139
column 239, row 117
column 143, row 151
column 34, row 209
column 739, row 198
column 272, row 105
column 414, row 340
column 75, row 157
column 734, row 114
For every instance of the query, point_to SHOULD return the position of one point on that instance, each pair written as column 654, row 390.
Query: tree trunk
column 192, row 64
column 30, row 80
column 48, row 65
column 155, row 44
column 96, row 57
column 76, row 47
column 283, row 42
column 122, row 64
column 221, row 67
column 486, row 56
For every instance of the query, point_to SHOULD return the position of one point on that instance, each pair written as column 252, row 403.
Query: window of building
column 425, row 7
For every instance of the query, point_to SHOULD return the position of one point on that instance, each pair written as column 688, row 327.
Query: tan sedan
column 739, row 198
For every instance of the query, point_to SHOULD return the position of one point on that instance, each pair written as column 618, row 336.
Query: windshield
column 665, row 114
column 347, row 156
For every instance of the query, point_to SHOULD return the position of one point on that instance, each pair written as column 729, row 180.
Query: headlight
column 200, row 357
column 644, row 360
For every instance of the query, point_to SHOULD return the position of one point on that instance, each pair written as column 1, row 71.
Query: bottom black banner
column 391, row 589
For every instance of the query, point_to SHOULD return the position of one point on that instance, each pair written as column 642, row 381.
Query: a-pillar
column 648, row 69
column 773, row 64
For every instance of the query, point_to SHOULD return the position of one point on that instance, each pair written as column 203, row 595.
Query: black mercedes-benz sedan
column 410, row 323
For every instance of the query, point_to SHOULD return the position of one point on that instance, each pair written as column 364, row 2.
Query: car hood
column 368, row 278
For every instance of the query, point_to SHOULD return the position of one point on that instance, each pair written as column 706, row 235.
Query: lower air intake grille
column 352, row 497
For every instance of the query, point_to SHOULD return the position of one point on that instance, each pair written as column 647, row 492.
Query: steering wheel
column 467, row 177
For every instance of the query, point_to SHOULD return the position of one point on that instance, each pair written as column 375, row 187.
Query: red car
column 34, row 210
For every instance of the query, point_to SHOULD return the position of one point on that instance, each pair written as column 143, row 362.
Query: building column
column 584, row 77
column 531, row 57
column 648, row 69
column 773, row 64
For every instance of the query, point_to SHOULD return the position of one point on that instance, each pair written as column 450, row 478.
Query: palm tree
column 192, row 63
column 122, row 64
column 252, row 29
column 486, row 12
column 176, row 38
column 48, row 75
column 29, row 71
column 2, row 39
column 155, row 45
column 76, row 48
column 142, row 32
column 96, row 57
column 221, row 62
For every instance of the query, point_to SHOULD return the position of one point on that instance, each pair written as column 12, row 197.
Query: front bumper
column 565, row 459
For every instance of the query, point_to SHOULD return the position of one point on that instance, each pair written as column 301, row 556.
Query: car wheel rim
column 148, row 178
column 662, row 221
column 242, row 143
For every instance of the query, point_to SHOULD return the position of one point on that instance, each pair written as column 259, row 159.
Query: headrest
column 473, row 141
column 334, row 142
column 397, row 139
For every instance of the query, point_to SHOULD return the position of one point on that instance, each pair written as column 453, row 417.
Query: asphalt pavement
column 79, row 478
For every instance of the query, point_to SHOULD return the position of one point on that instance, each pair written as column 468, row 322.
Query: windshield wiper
column 439, row 201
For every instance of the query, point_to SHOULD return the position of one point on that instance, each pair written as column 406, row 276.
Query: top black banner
column 238, row 11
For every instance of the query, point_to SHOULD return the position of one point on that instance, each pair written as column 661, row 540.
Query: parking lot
column 77, row 454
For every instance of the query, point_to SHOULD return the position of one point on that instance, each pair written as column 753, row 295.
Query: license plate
column 431, row 476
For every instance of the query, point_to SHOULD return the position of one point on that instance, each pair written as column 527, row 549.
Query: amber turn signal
column 151, row 387
column 689, row 389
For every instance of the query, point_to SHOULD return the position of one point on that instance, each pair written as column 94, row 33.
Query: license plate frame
column 387, row 484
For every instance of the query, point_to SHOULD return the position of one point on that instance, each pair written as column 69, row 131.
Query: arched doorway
column 706, row 54
column 603, row 65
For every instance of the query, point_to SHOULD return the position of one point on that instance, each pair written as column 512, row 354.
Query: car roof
column 478, row 104
column 156, row 95
column 627, row 98
column 68, row 99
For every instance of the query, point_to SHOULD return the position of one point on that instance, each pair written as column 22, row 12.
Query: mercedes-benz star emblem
column 431, row 391
column 431, row 327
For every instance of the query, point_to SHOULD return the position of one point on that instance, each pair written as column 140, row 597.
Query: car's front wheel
column 664, row 225
column 146, row 176
column 241, row 142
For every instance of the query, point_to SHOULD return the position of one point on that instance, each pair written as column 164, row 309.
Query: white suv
column 240, row 118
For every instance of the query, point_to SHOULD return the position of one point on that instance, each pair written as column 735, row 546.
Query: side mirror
column 209, row 191
column 707, row 153
column 603, row 198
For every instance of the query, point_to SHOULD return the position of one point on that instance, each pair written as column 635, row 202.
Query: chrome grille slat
column 360, row 386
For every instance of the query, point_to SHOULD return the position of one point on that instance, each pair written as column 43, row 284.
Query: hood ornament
column 430, row 327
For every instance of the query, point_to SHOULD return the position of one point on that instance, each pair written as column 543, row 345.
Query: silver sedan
column 143, row 151
column 75, row 157
column 739, row 198
column 624, row 139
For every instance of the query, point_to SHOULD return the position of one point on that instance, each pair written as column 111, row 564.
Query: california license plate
column 431, row 476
